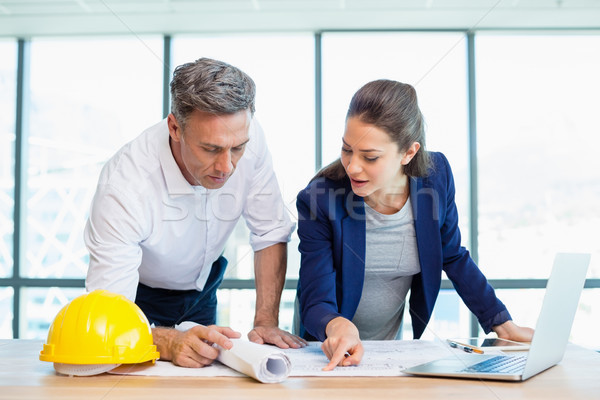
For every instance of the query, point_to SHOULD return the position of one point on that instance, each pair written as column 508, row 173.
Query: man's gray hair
column 210, row 86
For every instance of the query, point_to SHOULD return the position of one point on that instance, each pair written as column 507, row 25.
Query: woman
column 379, row 221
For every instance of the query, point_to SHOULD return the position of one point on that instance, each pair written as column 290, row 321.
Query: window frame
column 17, row 282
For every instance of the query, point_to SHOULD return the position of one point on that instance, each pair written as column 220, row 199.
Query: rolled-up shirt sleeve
column 264, row 210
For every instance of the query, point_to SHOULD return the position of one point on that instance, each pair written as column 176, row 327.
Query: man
column 167, row 202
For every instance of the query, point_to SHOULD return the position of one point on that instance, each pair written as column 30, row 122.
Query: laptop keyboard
column 499, row 364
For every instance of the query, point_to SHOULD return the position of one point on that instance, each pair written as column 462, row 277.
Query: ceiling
column 25, row 18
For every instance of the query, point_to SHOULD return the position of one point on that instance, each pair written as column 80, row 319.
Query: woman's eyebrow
column 363, row 150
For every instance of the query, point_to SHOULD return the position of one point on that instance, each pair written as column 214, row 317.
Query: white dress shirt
column 148, row 224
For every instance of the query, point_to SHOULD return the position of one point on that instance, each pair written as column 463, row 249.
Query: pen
column 465, row 348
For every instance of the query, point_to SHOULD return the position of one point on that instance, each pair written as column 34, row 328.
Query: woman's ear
column 410, row 153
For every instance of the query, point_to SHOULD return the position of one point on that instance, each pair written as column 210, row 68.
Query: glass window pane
column 526, row 304
column 236, row 309
column 6, row 312
column 8, row 77
column 584, row 331
column 239, row 254
column 539, row 176
column 88, row 98
column 282, row 66
column 434, row 63
column 450, row 318
column 39, row 306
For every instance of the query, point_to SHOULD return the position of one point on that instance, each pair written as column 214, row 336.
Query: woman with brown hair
column 381, row 221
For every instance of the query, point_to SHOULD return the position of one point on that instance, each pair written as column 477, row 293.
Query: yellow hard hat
column 99, row 327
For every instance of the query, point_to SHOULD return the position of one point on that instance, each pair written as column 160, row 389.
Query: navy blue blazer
column 331, row 227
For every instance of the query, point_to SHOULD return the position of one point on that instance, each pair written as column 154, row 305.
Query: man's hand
column 194, row 347
column 511, row 331
column 276, row 336
column 342, row 346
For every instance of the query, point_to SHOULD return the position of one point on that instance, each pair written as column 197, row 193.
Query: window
column 434, row 63
column 583, row 331
column 88, row 98
column 450, row 318
column 8, row 79
column 39, row 306
column 539, row 178
column 282, row 66
column 539, row 181
column 6, row 307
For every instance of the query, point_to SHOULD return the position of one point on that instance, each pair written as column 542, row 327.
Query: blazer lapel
column 353, row 254
column 419, row 208
column 426, row 285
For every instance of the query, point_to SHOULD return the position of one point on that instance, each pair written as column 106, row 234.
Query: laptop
column 549, row 340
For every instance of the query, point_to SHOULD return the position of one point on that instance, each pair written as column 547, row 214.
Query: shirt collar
column 176, row 182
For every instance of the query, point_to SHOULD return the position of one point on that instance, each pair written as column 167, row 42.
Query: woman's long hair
column 391, row 106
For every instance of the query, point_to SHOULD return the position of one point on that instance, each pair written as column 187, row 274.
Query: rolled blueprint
column 265, row 363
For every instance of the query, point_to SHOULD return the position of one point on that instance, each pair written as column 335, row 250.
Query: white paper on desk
column 167, row 368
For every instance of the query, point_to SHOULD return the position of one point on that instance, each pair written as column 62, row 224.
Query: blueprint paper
column 381, row 358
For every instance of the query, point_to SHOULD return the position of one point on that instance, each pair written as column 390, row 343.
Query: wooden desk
column 23, row 376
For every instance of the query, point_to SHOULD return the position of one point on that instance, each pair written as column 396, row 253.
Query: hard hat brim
column 83, row 369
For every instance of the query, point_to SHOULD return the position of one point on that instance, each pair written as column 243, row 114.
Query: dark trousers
column 166, row 307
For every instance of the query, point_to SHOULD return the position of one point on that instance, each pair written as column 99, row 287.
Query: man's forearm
column 270, row 265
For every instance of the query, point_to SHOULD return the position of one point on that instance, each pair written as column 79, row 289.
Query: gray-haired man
column 167, row 202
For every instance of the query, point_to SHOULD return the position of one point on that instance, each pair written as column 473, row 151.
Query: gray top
column 392, row 259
